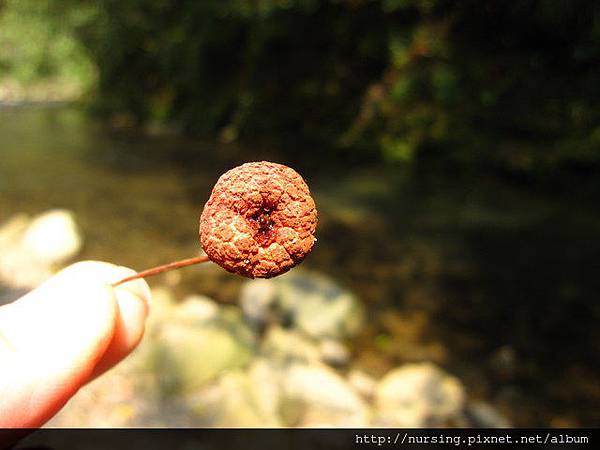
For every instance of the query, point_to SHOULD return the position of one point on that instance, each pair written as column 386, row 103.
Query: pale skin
column 62, row 335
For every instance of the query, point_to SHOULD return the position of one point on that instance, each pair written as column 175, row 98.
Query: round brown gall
column 259, row 221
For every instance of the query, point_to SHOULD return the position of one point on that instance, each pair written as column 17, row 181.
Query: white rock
column 20, row 271
column 418, row 395
column 189, row 353
column 334, row 352
column 283, row 345
column 362, row 383
column 323, row 397
column 241, row 399
column 53, row 237
column 310, row 301
column 30, row 250
column 197, row 309
column 319, row 306
column 12, row 230
column 257, row 299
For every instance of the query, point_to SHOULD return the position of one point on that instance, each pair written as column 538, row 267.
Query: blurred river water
column 492, row 278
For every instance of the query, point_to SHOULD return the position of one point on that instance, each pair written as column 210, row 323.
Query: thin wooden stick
column 160, row 269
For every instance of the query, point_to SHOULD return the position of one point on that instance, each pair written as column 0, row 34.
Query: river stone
column 309, row 301
column 316, row 396
column 32, row 249
column 282, row 345
column 362, row 382
column 196, row 310
column 53, row 237
column 257, row 300
column 319, row 306
column 191, row 350
column 12, row 230
column 266, row 382
column 248, row 398
column 419, row 395
column 334, row 352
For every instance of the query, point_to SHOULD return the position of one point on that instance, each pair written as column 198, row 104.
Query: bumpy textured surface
column 259, row 221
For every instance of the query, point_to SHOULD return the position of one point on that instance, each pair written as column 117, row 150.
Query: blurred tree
column 511, row 85
column 38, row 49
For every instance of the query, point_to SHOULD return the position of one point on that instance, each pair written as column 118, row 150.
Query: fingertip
column 132, row 301
column 57, row 337
column 130, row 322
column 139, row 288
column 57, row 333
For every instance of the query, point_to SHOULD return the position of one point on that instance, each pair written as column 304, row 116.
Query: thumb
column 54, row 339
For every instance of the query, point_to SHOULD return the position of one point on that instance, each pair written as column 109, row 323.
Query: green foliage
column 513, row 85
column 37, row 44
column 506, row 84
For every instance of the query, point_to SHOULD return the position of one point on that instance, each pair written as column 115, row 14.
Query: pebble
column 419, row 395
